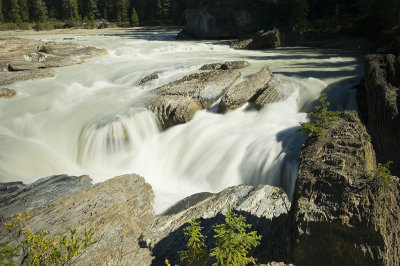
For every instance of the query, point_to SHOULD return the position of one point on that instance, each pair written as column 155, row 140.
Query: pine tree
column 13, row 15
column 122, row 10
column 92, row 12
column 134, row 18
column 233, row 242
column 23, row 10
column 70, row 9
column 1, row 11
column 159, row 10
column 166, row 5
column 195, row 253
column 37, row 10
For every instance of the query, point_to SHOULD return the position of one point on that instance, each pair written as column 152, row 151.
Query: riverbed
column 91, row 118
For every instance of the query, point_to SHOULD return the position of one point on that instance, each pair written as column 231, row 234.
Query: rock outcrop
column 127, row 230
column 17, row 197
column 265, row 207
column 22, row 59
column 245, row 91
column 379, row 104
column 6, row 93
column 338, row 215
column 226, row 65
column 177, row 102
column 120, row 210
column 260, row 40
column 217, row 23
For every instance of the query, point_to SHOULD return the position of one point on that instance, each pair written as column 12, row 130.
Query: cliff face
column 338, row 215
column 218, row 22
column 379, row 104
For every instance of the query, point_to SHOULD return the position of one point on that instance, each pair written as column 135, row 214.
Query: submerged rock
column 226, row 65
column 339, row 215
column 6, row 93
column 245, row 91
column 177, row 102
column 23, row 59
column 260, row 40
column 148, row 78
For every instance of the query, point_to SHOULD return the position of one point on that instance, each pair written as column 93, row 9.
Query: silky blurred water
column 90, row 118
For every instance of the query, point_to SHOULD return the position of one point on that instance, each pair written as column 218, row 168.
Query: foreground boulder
column 379, row 106
column 118, row 209
column 260, row 40
column 245, row 91
column 264, row 207
column 177, row 102
column 23, row 59
column 339, row 216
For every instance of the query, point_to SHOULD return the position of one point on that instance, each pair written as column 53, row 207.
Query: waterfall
column 91, row 119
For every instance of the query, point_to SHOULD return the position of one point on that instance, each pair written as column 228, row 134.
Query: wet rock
column 7, row 78
column 23, row 59
column 245, row 91
column 177, row 102
column 261, row 40
column 226, row 65
column 379, row 104
column 263, row 206
column 172, row 110
column 339, row 215
column 6, row 93
column 148, row 78
column 276, row 91
column 118, row 209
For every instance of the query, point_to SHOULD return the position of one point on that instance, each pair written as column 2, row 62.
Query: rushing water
column 90, row 118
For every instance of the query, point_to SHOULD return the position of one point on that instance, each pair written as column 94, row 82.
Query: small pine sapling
column 195, row 253
column 233, row 243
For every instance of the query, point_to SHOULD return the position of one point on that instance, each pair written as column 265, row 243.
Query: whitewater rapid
column 90, row 118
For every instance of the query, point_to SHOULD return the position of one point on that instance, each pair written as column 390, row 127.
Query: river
column 90, row 118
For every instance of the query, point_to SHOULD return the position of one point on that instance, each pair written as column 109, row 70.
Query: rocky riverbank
column 338, row 214
column 23, row 59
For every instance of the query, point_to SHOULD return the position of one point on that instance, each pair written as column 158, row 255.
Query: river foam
column 90, row 118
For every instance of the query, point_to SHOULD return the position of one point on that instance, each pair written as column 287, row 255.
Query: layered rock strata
column 379, row 104
column 339, row 216
column 245, row 91
column 23, row 59
column 177, row 102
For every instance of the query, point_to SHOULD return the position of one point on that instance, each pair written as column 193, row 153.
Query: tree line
column 134, row 12
column 363, row 16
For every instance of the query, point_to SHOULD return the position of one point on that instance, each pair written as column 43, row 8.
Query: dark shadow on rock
column 274, row 244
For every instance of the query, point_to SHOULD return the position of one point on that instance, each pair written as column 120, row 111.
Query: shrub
column 39, row 249
column 45, row 49
column 321, row 118
column 233, row 242
column 195, row 253
column 382, row 174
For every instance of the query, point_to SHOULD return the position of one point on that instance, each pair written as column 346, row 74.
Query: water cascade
column 91, row 119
